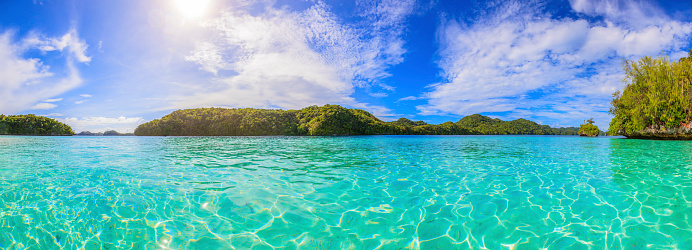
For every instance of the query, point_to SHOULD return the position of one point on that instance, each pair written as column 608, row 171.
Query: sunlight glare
column 192, row 9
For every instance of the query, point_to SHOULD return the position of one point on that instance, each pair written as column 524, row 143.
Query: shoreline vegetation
column 32, row 125
column 656, row 102
column 326, row 120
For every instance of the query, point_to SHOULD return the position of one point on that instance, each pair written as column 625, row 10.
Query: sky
column 112, row 65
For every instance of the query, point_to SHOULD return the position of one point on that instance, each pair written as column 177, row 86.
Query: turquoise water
column 386, row 192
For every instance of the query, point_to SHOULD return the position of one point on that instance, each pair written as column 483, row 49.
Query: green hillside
column 489, row 126
column 326, row 120
column 32, row 125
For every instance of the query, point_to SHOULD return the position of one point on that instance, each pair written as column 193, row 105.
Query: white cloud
column 286, row 59
column 78, row 102
column 208, row 56
column 26, row 81
column 378, row 94
column 521, row 60
column 386, row 27
column 381, row 112
column 632, row 12
column 70, row 41
column 43, row 105
column 85, row 95
column 409, row 98
column 53, row 100
column 100, row 124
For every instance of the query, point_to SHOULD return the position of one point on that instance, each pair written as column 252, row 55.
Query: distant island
column 106, row 133
column 588, row 129
column 656, row 103
column 32, row 125
column 327, row 120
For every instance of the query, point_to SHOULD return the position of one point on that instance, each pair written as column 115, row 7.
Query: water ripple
column 386, row 192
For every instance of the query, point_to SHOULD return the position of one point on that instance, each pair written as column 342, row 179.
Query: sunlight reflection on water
column 339, row 192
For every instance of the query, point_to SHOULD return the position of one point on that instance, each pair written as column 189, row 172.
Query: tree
column 657, row 95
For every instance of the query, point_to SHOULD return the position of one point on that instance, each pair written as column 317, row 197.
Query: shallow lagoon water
column 386, row 192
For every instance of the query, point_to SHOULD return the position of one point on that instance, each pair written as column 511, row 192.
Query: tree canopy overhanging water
column 656, row 101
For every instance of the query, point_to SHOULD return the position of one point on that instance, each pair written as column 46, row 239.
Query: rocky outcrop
column 585, row 134
column 660, row 132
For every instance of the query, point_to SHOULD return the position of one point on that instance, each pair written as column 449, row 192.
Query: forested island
column 588, row 129
column 106, row 133
column 656, row 102
column 326, row 120
column 32, row 125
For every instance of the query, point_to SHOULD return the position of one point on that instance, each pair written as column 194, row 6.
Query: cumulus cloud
column 25, row 81
column 100, row 124
column 524, row 62
column 69, row 42
column 43, row 105
column 291, row 59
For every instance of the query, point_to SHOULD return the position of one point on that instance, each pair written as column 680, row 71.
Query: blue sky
column 100, row 65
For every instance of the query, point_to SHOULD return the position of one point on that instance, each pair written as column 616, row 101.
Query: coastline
column 657, row 132
column 667, row 137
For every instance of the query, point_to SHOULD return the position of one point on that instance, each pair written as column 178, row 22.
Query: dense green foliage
column 220, row 121
column 32, row 125
column 422, row 128
column 325, row 120
column 588, row 129
column 489, row 126
column 658, row 92
column 408, row 123
column 336, row 120
column 89, row 133
column 111, row 133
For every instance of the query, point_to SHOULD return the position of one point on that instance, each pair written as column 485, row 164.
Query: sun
column 192, row 9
